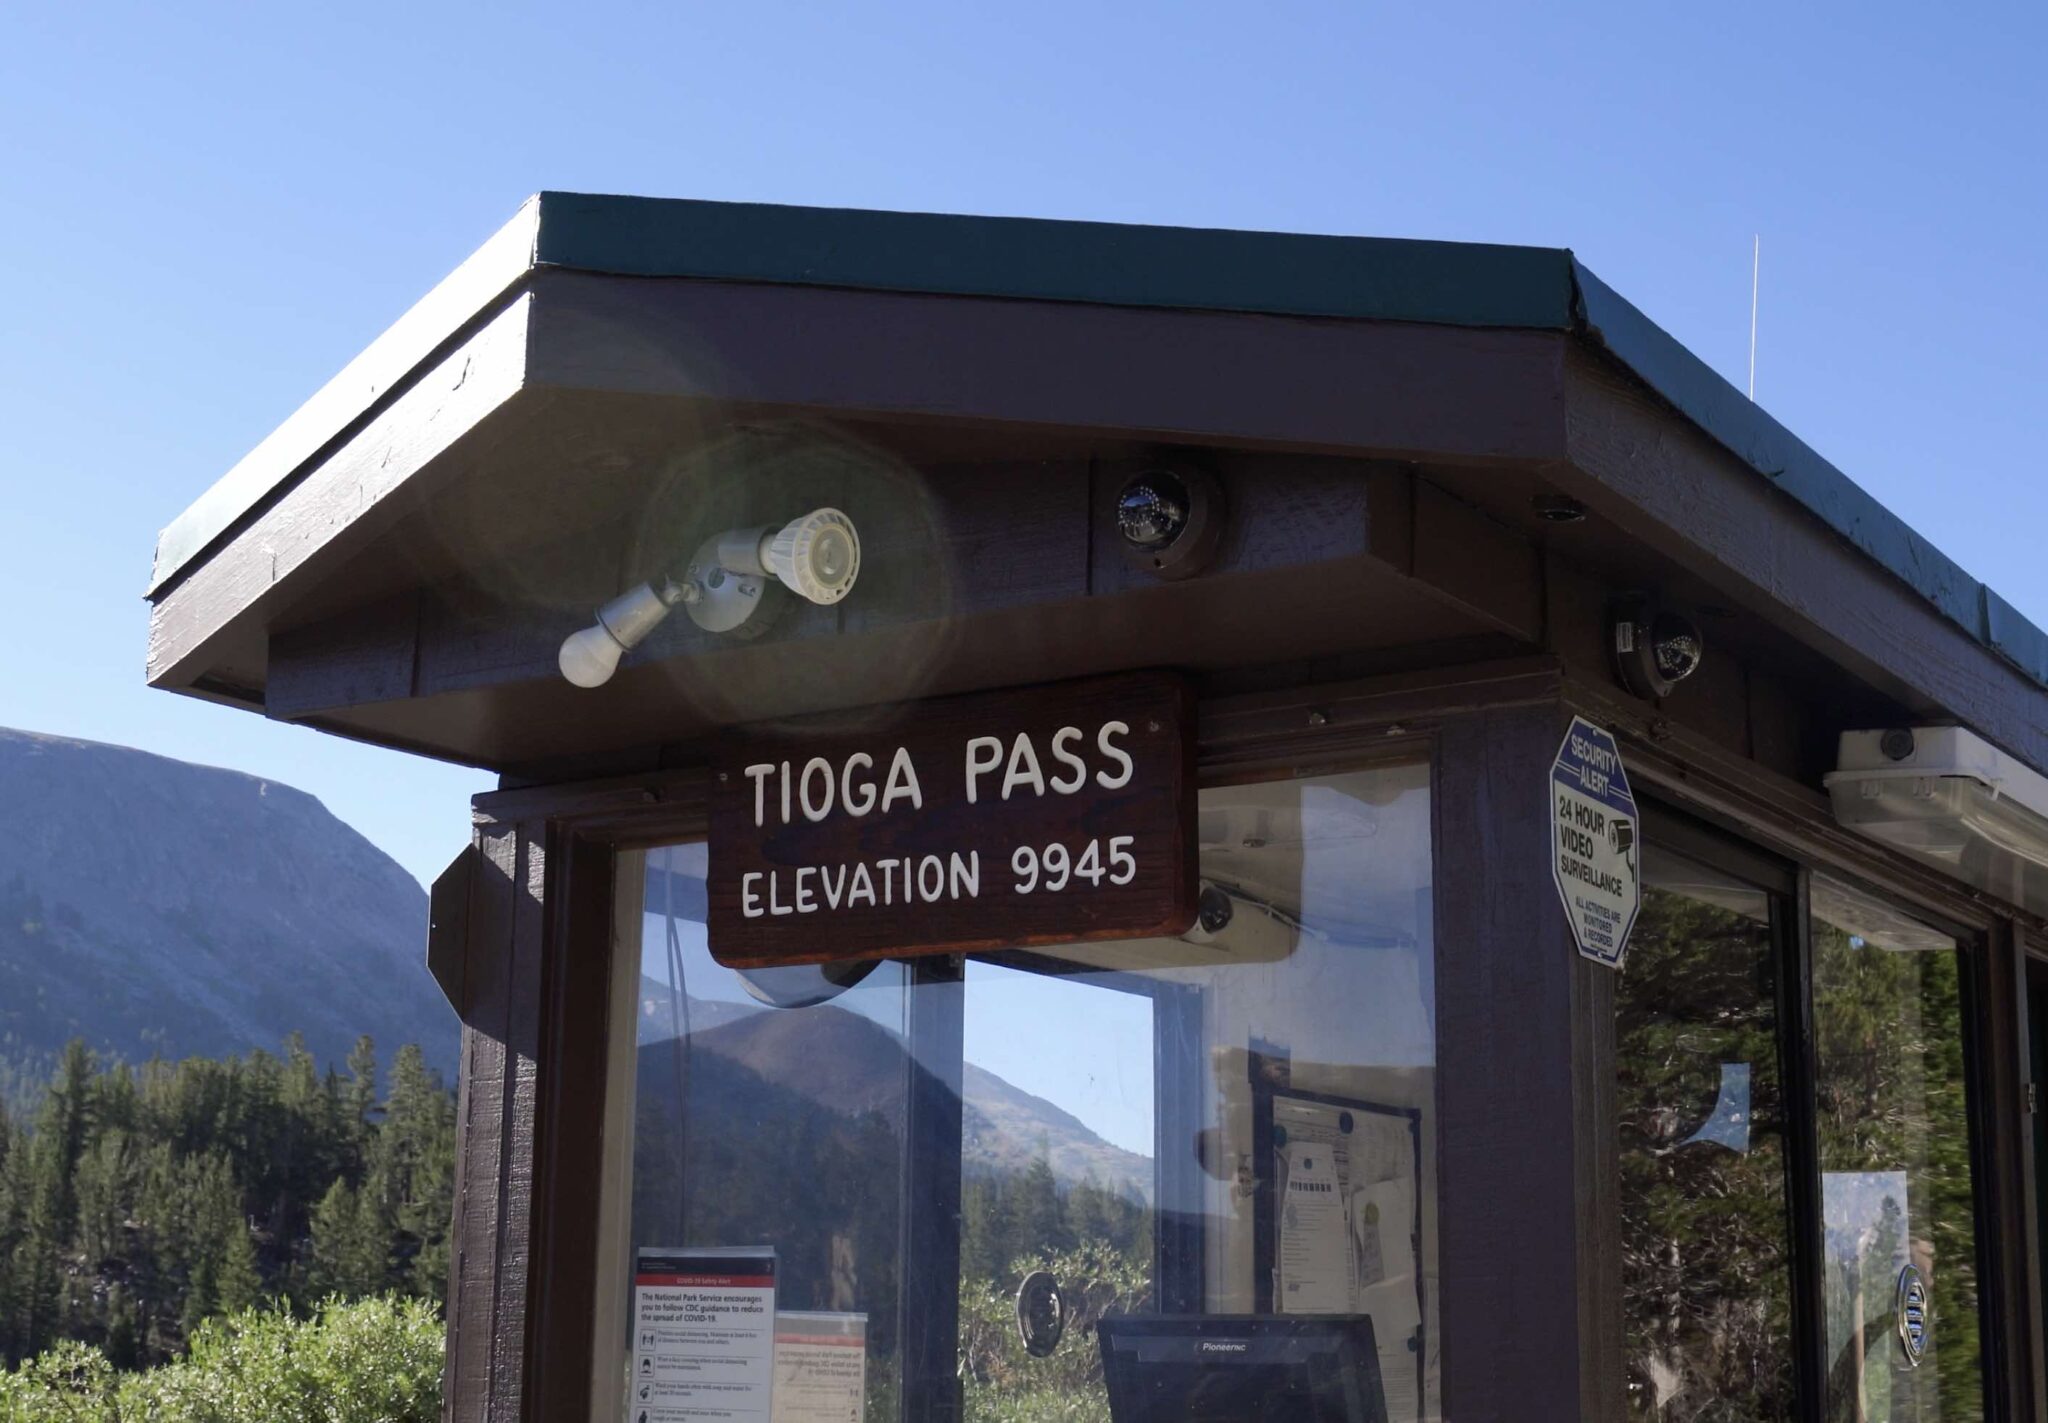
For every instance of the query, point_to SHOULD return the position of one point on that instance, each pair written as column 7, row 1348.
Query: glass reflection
column 1705, row 1230
column 1238, row 1122
column 1895, row 1162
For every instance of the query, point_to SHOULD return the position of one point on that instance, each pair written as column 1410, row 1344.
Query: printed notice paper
column 821, row 1363
column 703, row 1336
column 1315, row 1251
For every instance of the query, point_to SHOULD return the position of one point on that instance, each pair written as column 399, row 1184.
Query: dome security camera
column 1655, row 648
column 816, row 556
column 1170, row 520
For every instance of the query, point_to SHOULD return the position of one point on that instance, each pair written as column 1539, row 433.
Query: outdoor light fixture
column 817, row 557
column 1951, row 799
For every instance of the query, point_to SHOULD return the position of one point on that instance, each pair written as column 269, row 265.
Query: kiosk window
column 1221, row 1145
column 1706, row 1240
column 1895, row 1164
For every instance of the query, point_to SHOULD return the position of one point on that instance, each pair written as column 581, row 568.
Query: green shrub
column 1001, row 1383
column 370, row 1361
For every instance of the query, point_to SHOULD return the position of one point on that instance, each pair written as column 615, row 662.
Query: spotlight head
column 588, row 658
column 816, row 556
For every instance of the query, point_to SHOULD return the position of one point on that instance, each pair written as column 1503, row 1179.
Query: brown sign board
column 1039, row 815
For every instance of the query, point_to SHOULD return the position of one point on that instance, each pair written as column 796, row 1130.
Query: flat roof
column 1279, row 274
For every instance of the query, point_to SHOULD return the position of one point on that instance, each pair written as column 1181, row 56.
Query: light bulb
column 817, row 556
column 589, row 657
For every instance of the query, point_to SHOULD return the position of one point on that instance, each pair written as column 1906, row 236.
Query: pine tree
column 1041, row 1221
column 362, row 1091
column 240, row 1284
column 413, row 1165
column 126, row 1215
column 51, row 1202
column 351, row 1243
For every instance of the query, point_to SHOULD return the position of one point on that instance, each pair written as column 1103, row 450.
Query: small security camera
column 816, row 556
column 1214, row 911
column 1170, row 520
column 1655, row 648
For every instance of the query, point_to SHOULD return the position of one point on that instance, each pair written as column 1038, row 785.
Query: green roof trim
column 1710, row 401
column 1036, row 259
column 1283, row 274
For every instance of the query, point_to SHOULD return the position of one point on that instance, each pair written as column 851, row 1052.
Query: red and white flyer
column 703, row 1336
column 821, row 1363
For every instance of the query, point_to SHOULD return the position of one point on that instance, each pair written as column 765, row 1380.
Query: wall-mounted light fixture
column 817, row 557
column 1949, row 798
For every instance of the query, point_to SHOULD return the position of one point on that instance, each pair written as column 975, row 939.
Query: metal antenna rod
column 1756, row 253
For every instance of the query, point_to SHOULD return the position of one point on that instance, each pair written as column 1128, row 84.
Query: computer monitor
column 1229, row 1368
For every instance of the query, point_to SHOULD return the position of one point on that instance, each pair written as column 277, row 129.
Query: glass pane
column 1895, row 1162
column 1706, row 1241
column 763, row 1126
column 1236, row 1123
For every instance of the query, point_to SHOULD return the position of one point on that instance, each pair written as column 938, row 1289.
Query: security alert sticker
column 1594, row 856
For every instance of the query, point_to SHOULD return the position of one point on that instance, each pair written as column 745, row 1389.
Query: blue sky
column 205, row 210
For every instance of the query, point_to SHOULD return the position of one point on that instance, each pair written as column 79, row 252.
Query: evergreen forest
column 138, row 1202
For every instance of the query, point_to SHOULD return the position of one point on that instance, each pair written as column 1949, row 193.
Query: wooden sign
column 1036, row 816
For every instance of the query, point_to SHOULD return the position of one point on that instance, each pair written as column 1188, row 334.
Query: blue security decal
column 1594, row 850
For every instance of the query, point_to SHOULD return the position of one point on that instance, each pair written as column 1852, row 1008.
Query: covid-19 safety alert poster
column 703, row 1336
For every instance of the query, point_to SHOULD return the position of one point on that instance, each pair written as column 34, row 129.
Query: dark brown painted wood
column 1112, row 763
column 521, row 1090
column 482, row 1127
column 962, row 566
column 1208, row 377
column 1996, row 1038
column 1525, row 1152
column 575, row 995
column 448, row 904
column 1478, row 563
column 349, row 501
column 524, row 1251
column 1691, row 502
column 2029, row 1286
column 928, row 1303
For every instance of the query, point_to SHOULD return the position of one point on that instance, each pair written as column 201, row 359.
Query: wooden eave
column 458, row 444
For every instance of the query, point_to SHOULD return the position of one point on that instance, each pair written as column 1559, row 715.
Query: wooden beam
column 1692, row 502
column 341, row 505
column 386, row 366
column 491, row 1240
column 1403, row 391
column 1524, row 1168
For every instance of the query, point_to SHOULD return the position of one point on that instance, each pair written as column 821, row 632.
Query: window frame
column 531, row 987
column 1787, row 876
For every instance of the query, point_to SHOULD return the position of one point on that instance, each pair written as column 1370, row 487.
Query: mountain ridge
column 850, row 1064
column 157, row 907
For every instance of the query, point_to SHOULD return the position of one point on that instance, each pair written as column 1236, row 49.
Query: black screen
column 1242, row 1369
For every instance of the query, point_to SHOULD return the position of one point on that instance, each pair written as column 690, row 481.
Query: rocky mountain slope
column 851, row 1065
column 151, row 906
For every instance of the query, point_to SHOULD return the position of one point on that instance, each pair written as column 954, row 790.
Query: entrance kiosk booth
column 1131, row 824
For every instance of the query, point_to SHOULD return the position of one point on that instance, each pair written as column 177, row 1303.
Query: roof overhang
column 551, row 421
